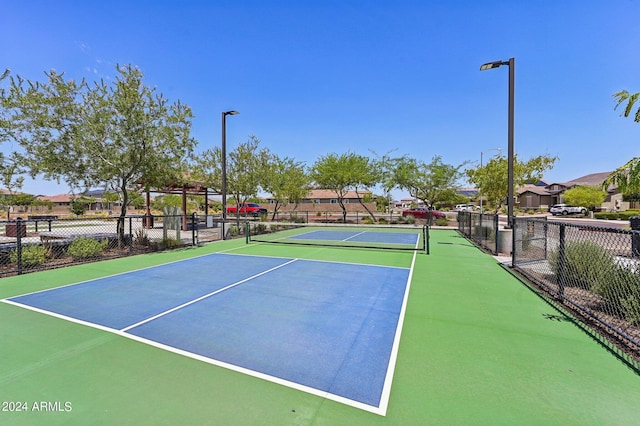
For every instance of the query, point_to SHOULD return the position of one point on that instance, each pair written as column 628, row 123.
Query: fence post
column 495, row 232
column 130, row 235
column 194, row 224
column 546, row 235
column 19, row 243
column 514, row 230
column 562, row 261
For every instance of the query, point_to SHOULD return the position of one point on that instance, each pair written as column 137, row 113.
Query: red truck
column 248, row 209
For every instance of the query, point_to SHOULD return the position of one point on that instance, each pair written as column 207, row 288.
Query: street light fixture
column 224, row 169
column 481, row 153
column 511, row 63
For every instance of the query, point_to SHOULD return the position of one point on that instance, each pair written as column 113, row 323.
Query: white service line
column 353, row 236
column 191, row 302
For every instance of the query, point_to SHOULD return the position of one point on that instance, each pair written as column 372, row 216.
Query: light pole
column 481, row 153
column 224, row 169
column 510, row 154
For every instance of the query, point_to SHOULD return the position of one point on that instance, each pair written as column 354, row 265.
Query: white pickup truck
column 565, row 209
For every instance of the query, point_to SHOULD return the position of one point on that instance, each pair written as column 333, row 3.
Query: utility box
column 13, row 229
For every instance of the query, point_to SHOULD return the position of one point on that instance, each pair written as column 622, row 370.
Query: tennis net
column 386, row 237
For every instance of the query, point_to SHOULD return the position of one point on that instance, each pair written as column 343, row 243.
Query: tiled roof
column 534, row 189
column 60, row 198
column 594, row 179
column 328, row 193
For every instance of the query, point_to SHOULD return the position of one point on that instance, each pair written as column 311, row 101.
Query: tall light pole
column 481, row 153
column 510, row 154
column 224, row 169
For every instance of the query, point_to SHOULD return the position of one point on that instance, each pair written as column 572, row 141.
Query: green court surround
column 478, row 348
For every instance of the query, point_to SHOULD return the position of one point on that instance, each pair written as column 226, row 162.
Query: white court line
column 353, row 236
column 381, row 409
column 191, row 302
column 386, row 388
column 116, row 274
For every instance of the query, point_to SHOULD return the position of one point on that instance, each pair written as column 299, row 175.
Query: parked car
column 565, row 209
column 465, row 207
column 423, row 213
column 248, row 209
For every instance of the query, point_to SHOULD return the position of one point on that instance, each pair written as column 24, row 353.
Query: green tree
column 172, row 200
column 37, row 203
column 631, row 99
column 382, row 202
column 78, row 206
column 587, row 196
column 434, row 183
column 625, row 178
column 247, row 166
column 9, row 170
column 492, row 179
column 110, row 198
column 343, row 172
column 287, row 181
column 120, row 135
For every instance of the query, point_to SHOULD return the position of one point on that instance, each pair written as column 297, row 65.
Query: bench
column 42, row 217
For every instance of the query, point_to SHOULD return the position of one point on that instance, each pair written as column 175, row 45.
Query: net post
column 425, row 235
column 246, row 232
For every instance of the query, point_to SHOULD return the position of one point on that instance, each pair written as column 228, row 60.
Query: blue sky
column 313, row 77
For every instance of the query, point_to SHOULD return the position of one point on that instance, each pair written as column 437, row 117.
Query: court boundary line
column 321, row 260
column 116, row 274
column 198, row 299
column 395, row 348
column 294, row 237
column 385, row 394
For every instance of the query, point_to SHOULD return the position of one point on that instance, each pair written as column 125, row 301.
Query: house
column 326, row 200
column 61, row 202
column 534, row 197
column 540, row 197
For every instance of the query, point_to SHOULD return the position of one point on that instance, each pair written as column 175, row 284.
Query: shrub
column 31, row 256
column 367, row 220
column 442, row 221
column 591, row 267
column 410, row 219
column 587, row 265
column 622, row 293
column 628, row 214
column 84, row 248
column 169, row 242
column 382, row 220
column 141, row 238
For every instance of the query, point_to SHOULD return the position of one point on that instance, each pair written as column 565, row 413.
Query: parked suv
column 464, row 207
column 565, row 209
column 252, row 209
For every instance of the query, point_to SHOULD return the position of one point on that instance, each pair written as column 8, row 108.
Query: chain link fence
column 39, row 243
column 480, row 228
column 594, row 271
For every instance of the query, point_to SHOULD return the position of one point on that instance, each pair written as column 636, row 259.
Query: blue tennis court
column 360, row 236
column 327, row 328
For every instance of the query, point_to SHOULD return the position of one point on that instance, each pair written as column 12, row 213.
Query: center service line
column 205, row 296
